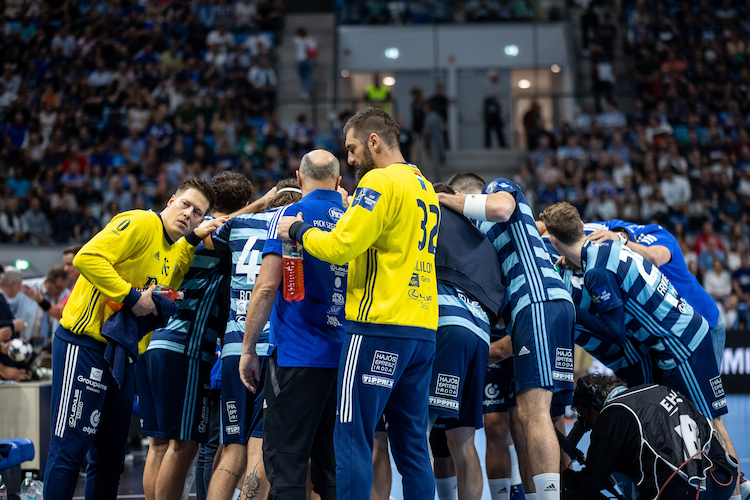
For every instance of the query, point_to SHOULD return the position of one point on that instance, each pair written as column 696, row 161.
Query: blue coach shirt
column 675, row 270
column 310, row 333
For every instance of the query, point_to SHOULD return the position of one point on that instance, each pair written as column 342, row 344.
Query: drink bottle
column 28, row 489
column 294, row 276
column 169, row 292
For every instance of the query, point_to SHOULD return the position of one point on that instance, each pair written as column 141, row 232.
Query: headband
column 289, row 190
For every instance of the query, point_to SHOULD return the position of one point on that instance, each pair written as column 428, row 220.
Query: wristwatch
column 623, row 239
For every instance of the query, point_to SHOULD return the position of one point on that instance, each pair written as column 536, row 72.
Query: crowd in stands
column 447, row 11
column 681, row 158
column 108, row 105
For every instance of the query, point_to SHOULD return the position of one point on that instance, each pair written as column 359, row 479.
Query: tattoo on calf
column 251, row 489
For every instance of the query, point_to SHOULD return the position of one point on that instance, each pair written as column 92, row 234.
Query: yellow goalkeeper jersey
column 131, row 253
column 388, row 236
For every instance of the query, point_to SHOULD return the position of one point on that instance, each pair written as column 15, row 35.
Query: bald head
column 320, row 165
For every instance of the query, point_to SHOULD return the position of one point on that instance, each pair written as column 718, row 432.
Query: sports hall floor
column 737, row 422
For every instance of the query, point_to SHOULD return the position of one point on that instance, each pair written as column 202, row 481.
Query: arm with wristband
column 493, row 207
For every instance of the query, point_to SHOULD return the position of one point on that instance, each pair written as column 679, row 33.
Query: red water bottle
column 169, row 292
column 294, row 276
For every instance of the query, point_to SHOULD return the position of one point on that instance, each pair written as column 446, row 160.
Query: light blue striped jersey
column 676, row 269
column 655, row 314
column 526, row 267
column 610, row 355
column 200, row 316
column 242, row 239
column 458, row 308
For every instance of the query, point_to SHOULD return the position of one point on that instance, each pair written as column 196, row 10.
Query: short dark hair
column 374, row 121
column 285, row 198
column 465, row 182
column 232, row 190
column 442, row 187
column 72, row 249
column 592, row 389
column 563, row 222
column 200, row 185
column 57, row 272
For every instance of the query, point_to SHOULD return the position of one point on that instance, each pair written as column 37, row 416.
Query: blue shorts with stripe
column 173, row 395
column 697, row 378
column 543, row 346
column 457, row 380
column 241, row 410
column 499, row 395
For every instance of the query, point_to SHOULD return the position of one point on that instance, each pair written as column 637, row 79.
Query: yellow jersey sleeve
column 126, row 235
column 359, row 227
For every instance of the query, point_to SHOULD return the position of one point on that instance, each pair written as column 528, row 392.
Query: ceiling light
column 524, row 84
column 511, row 50
column 392, row 53
column 389, row 81
column 555, row 68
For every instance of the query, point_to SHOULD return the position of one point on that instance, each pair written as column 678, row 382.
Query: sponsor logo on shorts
column 94, row 421
column 92, row 385
column 204, row 416
column 232, row 412
column 524, row 351
column 562, row 377
column 564, row 358
column 717, row 386
column 718, row 405
column 334, row 310
column 338, row 270
column 378, row 381
column 384, row 362
column 444, row 403
column 447, row 385
column 232, row 429
column 338, row 299
column 96, row 374
column 337, row 283
column 491, row 391
column 76, row 409
column 491, row 402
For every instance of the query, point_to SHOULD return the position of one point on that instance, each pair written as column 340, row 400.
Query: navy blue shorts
column 543, row 346
column 382, row 425
column 560, row 400
column 699, row 379
column 499, row 395
column 241, row 410
column 457, row 381
column 173, row 395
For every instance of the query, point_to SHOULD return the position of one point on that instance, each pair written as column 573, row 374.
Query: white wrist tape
column 474, row 206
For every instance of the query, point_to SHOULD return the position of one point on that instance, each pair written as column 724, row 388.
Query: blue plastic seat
column 15, row 452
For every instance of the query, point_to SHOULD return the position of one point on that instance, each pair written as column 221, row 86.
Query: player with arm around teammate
column 173, row 375
column 137, row 250
column 240, row 241
column 388, row 233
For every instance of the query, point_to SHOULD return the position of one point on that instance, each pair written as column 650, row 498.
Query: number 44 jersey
column 242, row 238
column 389, row 236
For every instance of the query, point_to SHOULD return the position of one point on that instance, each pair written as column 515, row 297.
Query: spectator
column 717, row 281
column 676, row 190
column 39, row 304
column 741, row 280
column 13, row 227
column 305, row 51
column 258, row 43
column 711, row 254
column 36, row 222
column 433, row 137
column 221, row 38
column 707, row 236
column 493, row 120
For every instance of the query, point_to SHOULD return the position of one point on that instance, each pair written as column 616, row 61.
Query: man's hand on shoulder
column 208, row 226
column 145, row 304
column 282, row 229
column 453, row 201
column 601, row 235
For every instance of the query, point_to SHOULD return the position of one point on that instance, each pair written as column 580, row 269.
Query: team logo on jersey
column 414, row 281
column 122, row 226
column 496, row 186
column 156, row 256
column 335, row 213
column 421, row 181
column 366, row 198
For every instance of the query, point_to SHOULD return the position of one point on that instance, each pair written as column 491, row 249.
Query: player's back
column 379, row 290
column 242, row 240
column 201, row 314
column 529, row 274
column 655, row 313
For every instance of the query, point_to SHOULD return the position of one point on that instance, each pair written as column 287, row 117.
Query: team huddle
column 394, row 340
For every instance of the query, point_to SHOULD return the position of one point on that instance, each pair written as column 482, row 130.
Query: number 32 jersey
column 243, row 237
column 388, row 236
